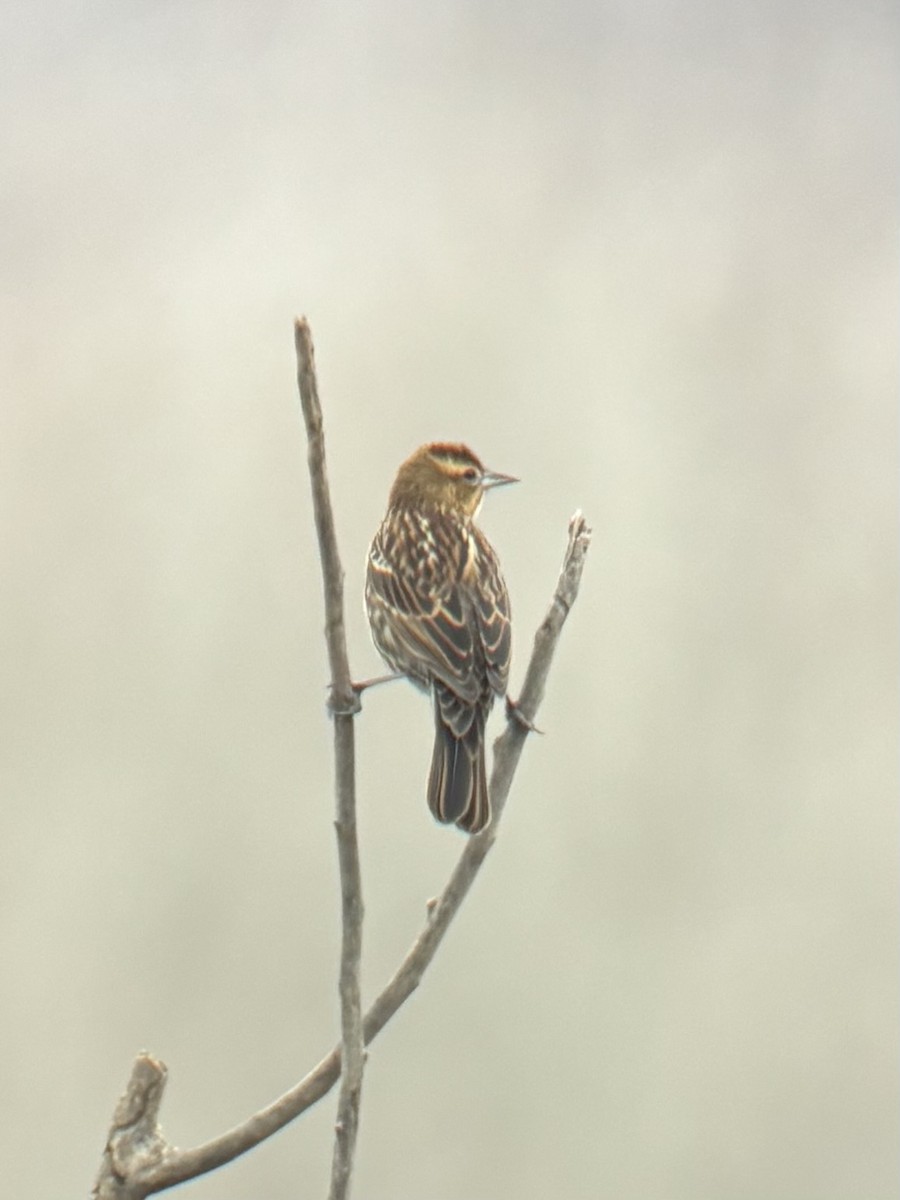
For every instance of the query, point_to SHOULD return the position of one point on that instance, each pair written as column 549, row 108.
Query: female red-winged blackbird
column 439, row 613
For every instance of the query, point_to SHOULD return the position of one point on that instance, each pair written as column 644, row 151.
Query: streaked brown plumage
column 439, row 613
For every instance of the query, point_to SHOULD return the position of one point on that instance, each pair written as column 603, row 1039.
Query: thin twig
column 162, row 1166
column 343, row 696
column 344, row 704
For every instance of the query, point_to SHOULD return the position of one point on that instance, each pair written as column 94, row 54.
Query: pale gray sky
column 641, row 255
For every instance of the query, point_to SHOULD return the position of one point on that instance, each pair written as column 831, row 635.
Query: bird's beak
column 492, row 479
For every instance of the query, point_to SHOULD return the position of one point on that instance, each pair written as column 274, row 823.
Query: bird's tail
column 457, row 783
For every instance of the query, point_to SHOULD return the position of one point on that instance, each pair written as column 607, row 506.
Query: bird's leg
column 514, row 713
column 356, row 689
column 364, row 686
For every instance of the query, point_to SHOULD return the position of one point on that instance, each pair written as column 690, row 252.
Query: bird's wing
column 432, row 625
column 492, row 615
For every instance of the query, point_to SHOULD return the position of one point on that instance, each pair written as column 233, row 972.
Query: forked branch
column 138, row 1161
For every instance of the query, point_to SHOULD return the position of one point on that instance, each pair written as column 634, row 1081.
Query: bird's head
column 445, row 475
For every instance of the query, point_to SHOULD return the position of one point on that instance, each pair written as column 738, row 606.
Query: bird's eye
column 470, row 475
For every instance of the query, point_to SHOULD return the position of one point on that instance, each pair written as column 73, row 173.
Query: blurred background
column 640, row 255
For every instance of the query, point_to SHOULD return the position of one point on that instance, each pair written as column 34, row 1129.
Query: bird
column 439, row 614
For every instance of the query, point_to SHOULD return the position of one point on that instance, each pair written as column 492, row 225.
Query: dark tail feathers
column 457, row 784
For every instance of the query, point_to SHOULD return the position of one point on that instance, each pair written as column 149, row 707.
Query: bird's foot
column 514, row 713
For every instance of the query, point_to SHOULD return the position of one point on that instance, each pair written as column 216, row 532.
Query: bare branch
column 344, row 703
column 343, row 696
column 138, row 1161
column 507, row 751
column 178, row 1166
